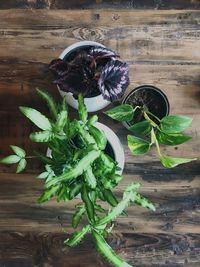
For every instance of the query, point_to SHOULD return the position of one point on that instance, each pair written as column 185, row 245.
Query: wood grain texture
column 162, row 49
column 91, row 4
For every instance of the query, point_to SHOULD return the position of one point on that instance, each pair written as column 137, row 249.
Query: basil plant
column 79, row 165
column 151, row 131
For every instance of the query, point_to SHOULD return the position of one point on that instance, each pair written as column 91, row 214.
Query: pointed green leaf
column 43, row 136
column 50, row 102
column 107, row 251
column 77, row 237
column 141, row 128
column 122, row 112
column 144, row 202
column 36, row 117
column 170, row 162
column 172, row 139
column 43, row 175
column 137, row 145
column 128, row 197
column 174, row 124
column 82, row 110
column 90, row 178
column 10, row 159
column 78, row 216
column 61, row 120
column 48, row 194
column 21, row 166
column 18, row 151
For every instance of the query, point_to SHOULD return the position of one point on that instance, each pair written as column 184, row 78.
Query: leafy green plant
column 153, row 131
column 77, row 164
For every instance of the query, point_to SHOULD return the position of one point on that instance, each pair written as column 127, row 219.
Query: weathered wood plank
column 45, row 249
column 140, row 36
column 177, row 202
column 89, row 4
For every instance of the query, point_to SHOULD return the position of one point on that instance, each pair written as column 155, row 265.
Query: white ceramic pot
column 92, row 103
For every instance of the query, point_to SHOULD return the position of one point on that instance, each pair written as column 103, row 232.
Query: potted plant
column 94, row 71
column 79, row 164
column 145, row 113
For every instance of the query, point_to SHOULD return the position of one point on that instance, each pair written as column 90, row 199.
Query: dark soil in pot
column 150, row 98
column 109, row 151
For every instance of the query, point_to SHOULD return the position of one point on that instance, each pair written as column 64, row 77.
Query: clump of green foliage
column 153, row 131
column 79, row 165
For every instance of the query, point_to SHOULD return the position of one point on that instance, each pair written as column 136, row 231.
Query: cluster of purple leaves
column 90, row 72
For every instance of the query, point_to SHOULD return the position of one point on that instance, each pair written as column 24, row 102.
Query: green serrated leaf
column 76, row 170
column 21, row 166
column 36, row 117
column 61, row 120
column 77, row 237
column 10, row 159
column 107, row 251
column 122, row 112
column 92, row 120
column 50, row 102
column 18, row 151
column 169, row 162
column 172, row 139
column 90, row 178
column 137, row 145
column 48, row 194
column 174, row 124
column 144, row 202
column 43, row 136
column 78, row 216
column 43, row 175
column 82, row 110
column 141, row 128
column 128, row 197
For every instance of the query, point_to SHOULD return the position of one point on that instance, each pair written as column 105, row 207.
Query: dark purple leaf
column 114, row 80
column 59, row 67
column 98, row 51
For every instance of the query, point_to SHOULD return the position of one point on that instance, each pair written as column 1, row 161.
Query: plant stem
column 154, row 140
column 150, row 120
column 148, row 112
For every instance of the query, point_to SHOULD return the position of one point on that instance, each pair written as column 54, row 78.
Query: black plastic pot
column 148, row 97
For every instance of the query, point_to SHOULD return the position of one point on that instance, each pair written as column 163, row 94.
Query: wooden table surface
column 161, row 43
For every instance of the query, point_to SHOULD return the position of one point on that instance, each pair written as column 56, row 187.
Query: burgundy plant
column 92, row 71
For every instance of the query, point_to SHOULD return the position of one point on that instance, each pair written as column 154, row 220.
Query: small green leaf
column 43, row 175
column 137, row 145
column 48, row 194
column 36, row 117
column 90, row 178
column 49, row 100
column 78, row 216
column 169, row 162
column 172, row 139
column 174, row 124
column 144, row 202
column 82, row 110
column 10, row 159
column 123, row 112
column 141, row 128
column 21, row 166
column 77, row 237
column 61, row 120
column 18, row 151
column 43, row 136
